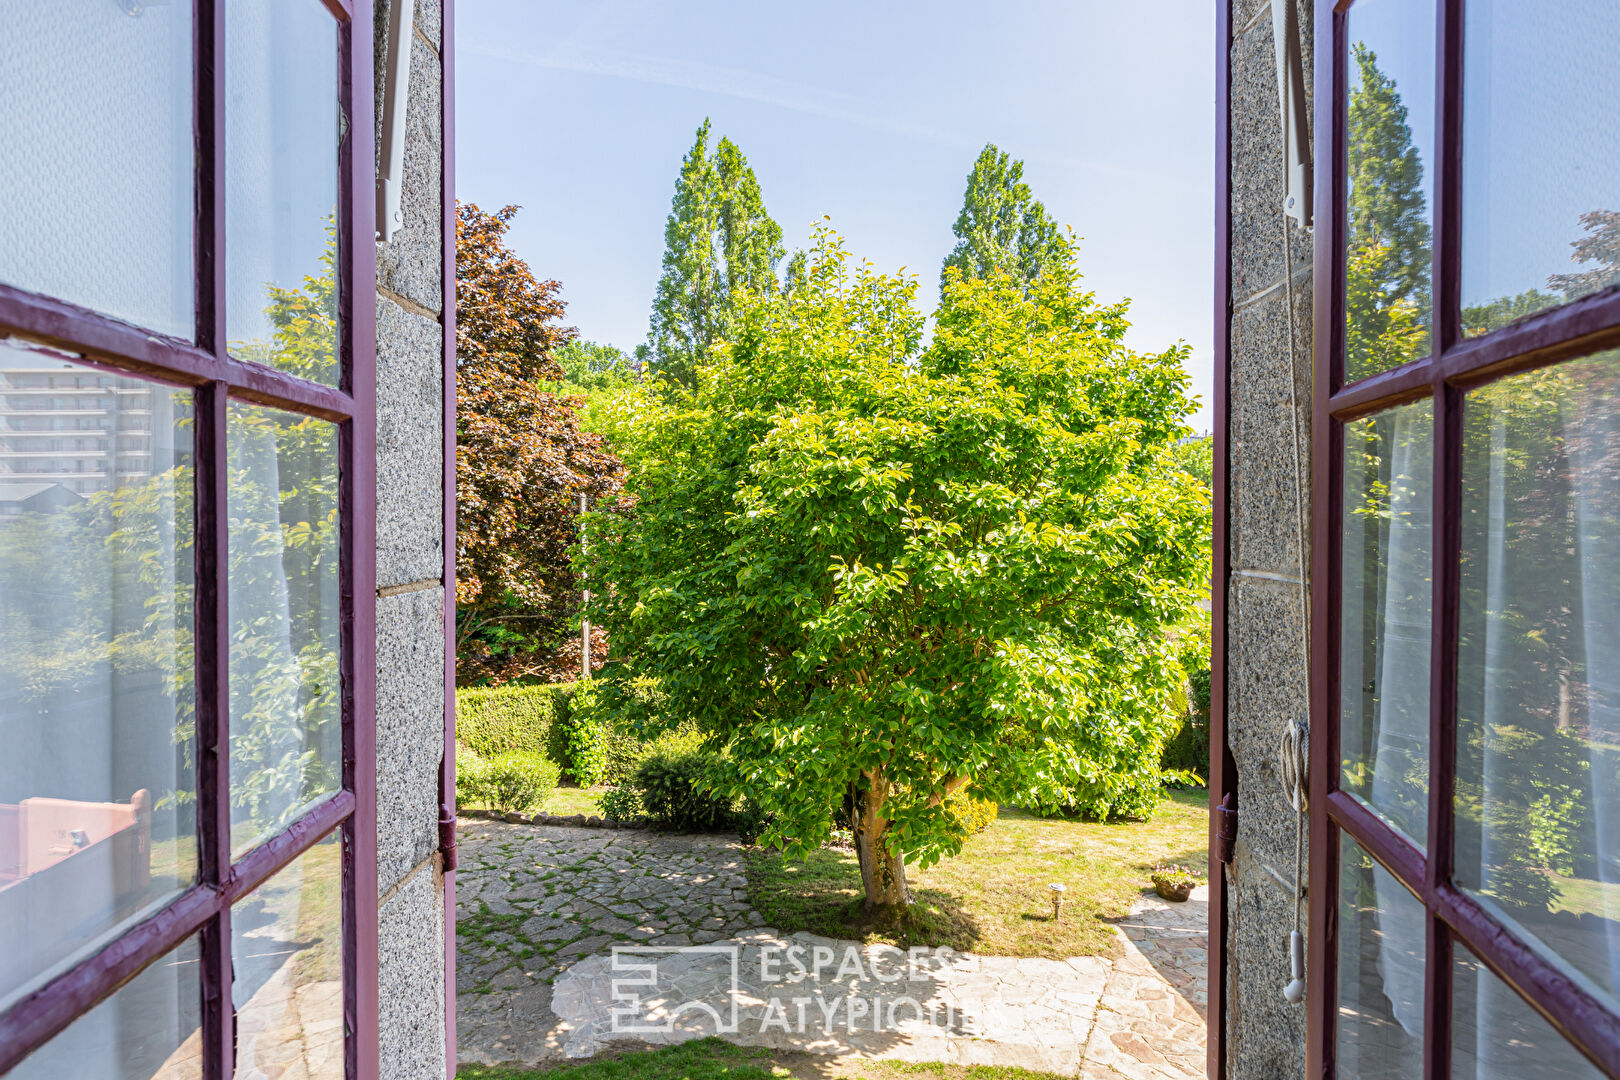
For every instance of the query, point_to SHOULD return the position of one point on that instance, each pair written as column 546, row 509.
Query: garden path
column 540, row 910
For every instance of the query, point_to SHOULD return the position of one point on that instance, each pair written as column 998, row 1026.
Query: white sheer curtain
column 1541, row 669
column 1401, row 716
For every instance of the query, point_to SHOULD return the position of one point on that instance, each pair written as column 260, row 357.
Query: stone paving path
column 541, row 909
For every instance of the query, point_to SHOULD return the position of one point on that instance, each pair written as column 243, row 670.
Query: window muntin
column 149, row 1028
column 1538, row 719
column 1541, row 138
column 282, row 130
column 1380, row 1030
column 97, row 781
column 1389, row 184
column 286, row 732
column 287, row 955
column 96, row 189
column 1385, row 607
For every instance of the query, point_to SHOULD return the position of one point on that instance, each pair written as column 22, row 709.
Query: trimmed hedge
column 491, row 722
column 571, row 724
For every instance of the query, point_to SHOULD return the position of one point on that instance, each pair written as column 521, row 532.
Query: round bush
column 520, row 782
column 675, row 794
column 621, row 803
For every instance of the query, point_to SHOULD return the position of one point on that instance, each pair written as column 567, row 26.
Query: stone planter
column 1175, row 893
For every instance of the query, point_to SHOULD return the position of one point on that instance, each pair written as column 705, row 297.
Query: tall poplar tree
column 1002, row 225
column 718, row 240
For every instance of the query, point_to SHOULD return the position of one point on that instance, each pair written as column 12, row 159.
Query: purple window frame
column 204, row 909
column 1454, row 366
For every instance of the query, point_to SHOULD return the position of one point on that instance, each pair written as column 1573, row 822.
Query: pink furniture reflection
column 68, row 871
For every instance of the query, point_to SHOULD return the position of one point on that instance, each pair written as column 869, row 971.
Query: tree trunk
column 883, row 873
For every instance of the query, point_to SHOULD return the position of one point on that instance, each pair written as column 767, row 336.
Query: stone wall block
column 1257, row 166
column 1267, row 1033
column 430, row 21
column 410, row 729
column 410, row 447
column 1262, row 510
column 410, row 978
column 411, row 264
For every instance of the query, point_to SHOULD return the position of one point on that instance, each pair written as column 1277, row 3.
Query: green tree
column 873, row 573
column 590, row 366
column 1387, row 264
column 1002, row 226
column 718, row 242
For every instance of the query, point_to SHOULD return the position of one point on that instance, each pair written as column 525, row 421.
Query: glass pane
column 1541, row 196
column 1385, row 605
column 1381, row 935
column 150, row 1029
column 96, row 181
column 1538, row 683
column 97, row 783
column 1389, row 185
column 286, row 739
column 287, row 959
column 281, row 168
column 1496, row 1036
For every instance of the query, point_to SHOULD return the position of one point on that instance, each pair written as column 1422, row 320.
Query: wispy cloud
column 726, row 81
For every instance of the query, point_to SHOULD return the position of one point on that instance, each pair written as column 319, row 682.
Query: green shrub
column 621, row 803
column 973, row 814
column 519, row 781
column 586, row 733
column 675, row 793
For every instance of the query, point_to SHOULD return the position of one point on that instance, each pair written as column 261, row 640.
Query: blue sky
column 868, row 113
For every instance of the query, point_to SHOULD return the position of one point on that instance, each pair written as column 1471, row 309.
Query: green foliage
column 718, row 243
column 516, row 781
column 969, row 813
column 622, row 802
column 867, row 568
column 1003, row 227
column 586, row 733
column 1185, row 760
column 678, row 792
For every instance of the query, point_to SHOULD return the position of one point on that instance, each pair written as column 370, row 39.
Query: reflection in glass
column 1381, row 929
column 1538, row 685
column 1388, row 188
column 1385, row 624
column 97, row 786
column 286, row 748
column 281, row 169
column 1496, row 1036
column 96, row 181
column 150, row 1029
column 287, row 959
column 1541, row 197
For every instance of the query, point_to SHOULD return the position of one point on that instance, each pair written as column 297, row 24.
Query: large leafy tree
column 875, row 573
column 718, row 241
column 522, row 461
column 1003, row 226
column 1387, row 262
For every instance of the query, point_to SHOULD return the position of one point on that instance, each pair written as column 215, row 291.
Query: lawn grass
column 993, row 897
column 714, row 1059
column 574, row 800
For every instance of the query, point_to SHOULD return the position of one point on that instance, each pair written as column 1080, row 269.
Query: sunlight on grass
column 993, row 898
